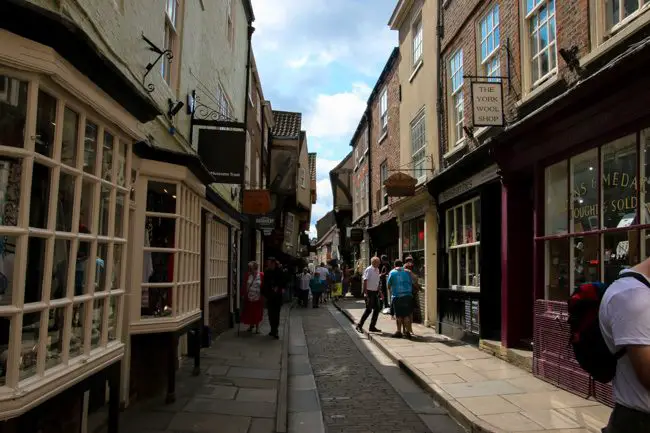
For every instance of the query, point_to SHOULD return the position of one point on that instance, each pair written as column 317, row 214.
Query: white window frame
column 456, row 97
column 623, row 20
column 217, row 260
column 170, row 41
column 102, row 303
column 185, row 286
column 383, row 110
column 489, row 32
column 418, row 41
column 383, row 175
column 418, row 149
column 528, row 58
column 454, row 248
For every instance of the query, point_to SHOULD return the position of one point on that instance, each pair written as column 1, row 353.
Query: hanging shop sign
column 265, row 223
column 223, row 152
column 400, row 185
column 355, row 234
column 257, row 202
column 487, row 104
column 468, row 184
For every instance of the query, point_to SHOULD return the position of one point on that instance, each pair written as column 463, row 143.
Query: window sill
column 416, row 68
column 457, row 148
column 421, row 180
column 470, row 289
column 384, row 209
column 616, row 37
column 541, row 88
column 383, row 137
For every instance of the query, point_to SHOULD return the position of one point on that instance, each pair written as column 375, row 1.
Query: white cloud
column 323, row 167
column 337, row 115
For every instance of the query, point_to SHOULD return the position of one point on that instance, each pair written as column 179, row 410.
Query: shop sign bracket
column 154, row 48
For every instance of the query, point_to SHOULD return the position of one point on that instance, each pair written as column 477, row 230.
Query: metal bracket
column 152, row 47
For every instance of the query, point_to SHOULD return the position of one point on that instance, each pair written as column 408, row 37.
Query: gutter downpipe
column 244, row 246
column 440, row 100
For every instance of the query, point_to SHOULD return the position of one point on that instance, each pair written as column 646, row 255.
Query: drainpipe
column 440, row 102
column 244, row 246
column 368, row 117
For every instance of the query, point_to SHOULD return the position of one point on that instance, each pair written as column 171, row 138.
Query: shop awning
column 49, row 28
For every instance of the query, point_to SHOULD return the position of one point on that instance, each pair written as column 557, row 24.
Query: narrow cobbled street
column 361, row 390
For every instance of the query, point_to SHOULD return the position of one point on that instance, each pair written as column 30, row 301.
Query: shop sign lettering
column 468, row 184
column 487, row 104
column 619, row 205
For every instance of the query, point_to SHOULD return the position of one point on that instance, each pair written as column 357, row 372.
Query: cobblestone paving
column 354, row 396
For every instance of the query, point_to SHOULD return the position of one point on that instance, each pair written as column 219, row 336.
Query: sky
column 322, row 58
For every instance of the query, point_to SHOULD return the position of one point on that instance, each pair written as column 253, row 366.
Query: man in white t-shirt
column 625, row 324
column 372, row 293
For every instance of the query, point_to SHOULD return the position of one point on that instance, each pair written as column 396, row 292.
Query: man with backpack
column 624, row 316
column 610, row 335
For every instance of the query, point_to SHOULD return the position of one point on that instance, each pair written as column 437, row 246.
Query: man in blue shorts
column 401, row 288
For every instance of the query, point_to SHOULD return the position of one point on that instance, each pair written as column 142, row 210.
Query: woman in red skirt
column 253, row 301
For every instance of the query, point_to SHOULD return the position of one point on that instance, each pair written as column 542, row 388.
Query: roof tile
column 287, row 124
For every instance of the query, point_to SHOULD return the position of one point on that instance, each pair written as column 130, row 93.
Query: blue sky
column 322, row 58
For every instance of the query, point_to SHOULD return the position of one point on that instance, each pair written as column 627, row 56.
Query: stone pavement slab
column 480, row 390
column 237, row 391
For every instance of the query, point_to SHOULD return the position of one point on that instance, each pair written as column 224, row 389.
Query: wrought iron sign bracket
column 432, row 170
column 204, row 115
column 152, row 47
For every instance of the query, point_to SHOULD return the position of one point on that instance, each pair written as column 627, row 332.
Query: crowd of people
column 386, row 288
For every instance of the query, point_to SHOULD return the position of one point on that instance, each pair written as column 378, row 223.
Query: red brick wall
column 461, row 26
column 388, row 150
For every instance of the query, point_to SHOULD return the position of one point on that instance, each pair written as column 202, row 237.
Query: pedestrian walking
column 372, row 294
column 401, row 288
column 347, row 274
column 324, row 275
column 384, row 269
column 252, row 294
column 624, row 316
column 272, row 290
column 304, row 287
column 409, row 265
column 337, row 283
column 317, row 287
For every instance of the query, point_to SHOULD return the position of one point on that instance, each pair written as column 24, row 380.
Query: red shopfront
column 588, row 155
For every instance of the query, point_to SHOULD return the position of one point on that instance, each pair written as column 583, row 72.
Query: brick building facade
column 574, row 120
column 383, row 105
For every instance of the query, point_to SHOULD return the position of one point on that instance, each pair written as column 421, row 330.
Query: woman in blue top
column 401, row 288
column 317, row 287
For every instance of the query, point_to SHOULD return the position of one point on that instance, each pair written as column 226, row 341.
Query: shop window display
column 603, row 218
column 218, row 260
column 171, row 253
column 463, row 245
column 49, row 229
column 413, row 245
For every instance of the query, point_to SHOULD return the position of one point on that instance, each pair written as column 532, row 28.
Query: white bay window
column 64, row 198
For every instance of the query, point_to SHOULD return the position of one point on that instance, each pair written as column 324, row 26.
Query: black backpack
column 587, row 340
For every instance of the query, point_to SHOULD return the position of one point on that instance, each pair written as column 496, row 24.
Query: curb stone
column 455, row 409
column 281, row 412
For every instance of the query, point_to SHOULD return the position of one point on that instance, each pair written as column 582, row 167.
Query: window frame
column 490, row 63
column 171, row 41
column 71, row 305
column 453, row 249
column 456, row 99
column 303, row 177
column 418, row 156
column 527, row 57
column 639, row 227
column 417, row 43
column 217, row 260
column 383, row 110
column 383, row 175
